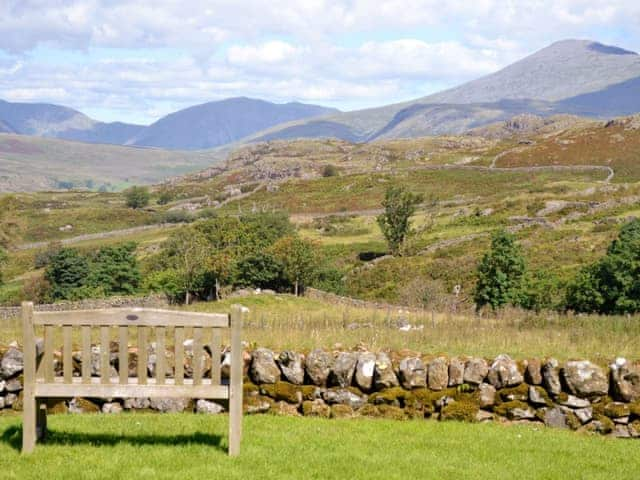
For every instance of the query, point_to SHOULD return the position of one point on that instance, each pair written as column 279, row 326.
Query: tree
column 187, row 253
column 612, row 284
column 501, row 273
column 67, row 271
column 399, row 205
column 115, row 270
column 299, row 260
column 260, row 270
column 164, row 197
column 137, row 197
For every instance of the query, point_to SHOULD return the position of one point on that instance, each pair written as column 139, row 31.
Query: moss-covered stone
column 542, row 393
column 634, row 410
column 603, row 424
column 503, row 409
column 249, row 389
column 391, row 412
column 257, row 404
column 463, row 411
column 616, row 410
column 86, row 406
column 519, row 393
column 396, row 396
column 369, row 410
column 573, row 421
column 315, row 408
column 288, row 392
column 341, row 411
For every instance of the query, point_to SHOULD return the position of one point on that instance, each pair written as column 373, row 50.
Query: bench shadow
column 12, row 436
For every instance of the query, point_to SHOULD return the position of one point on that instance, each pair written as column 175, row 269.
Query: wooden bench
column 41, row 381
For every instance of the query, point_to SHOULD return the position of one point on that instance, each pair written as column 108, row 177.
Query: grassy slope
column 192, row 446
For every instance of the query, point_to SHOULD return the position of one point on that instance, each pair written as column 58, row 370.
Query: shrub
column 167, row 282
column 164, row 197
column 115, row 270
column 37, row 289
column 330, row 171
column 260, row 270
column 3, row 260
column 329, row 279
column 67, row 271
column 43, row 258
column 137, row 197
column 176, row 216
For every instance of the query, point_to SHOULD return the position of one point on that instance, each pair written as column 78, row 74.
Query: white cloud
column 348, row 53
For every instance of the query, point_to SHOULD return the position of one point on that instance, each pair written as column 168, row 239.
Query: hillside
column 569, row 77
column 30, row 163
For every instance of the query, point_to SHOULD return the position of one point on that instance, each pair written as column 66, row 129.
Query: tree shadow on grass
column 12, row 436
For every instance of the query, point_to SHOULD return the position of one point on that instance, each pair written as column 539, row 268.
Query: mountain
column 217, row 123
column 577, row 77
column 200, row 127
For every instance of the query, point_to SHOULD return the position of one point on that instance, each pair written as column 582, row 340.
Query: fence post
column 235, row 382
column 29, row 406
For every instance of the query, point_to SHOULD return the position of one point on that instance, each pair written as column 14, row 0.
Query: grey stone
column 318, row 365
column 487, row 395
column 625, row 381
column 343, row 397
column 521, row 414
column 14, row 385
column 456, row 372
column 551, row 377
column 444, row 401
column 136, row 403
column 1, row 403
column 82, row 405
column 555, row 418
column 504, row 372
column 484, row 416
column 384, row 376
column 111, row 407
column 585, row 415
column 12, row 363
column 533, row 371
column 263, row 367
column 208, row 407
column 365, row 369
column 344, row 366
column 10, row 399
column 621, row 420
column 438, row 374
column 573, row 402
column 412, row 373
column 585, row 379
column 3, row 386
column 621, row 431
column 169, row 405
column 291, row 365
column 475, row 371
column 535, row 397
column 258, row 406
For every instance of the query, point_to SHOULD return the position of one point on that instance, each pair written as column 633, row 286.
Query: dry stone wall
column 578, row 394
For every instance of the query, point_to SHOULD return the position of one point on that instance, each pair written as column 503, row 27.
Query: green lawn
column 191, row 446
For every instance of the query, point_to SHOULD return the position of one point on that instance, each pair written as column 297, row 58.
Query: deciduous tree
column 399, row 205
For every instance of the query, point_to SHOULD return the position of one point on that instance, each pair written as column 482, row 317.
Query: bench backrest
column 121, row 327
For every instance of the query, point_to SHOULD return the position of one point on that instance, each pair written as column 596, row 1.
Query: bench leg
column 41, row 419
column 29, row 424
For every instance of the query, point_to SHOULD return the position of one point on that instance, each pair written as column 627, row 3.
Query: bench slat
column 197, row 356
column 123, row 354
column 161, row 356
column 67, row 359
column 105, row 353
column 48, row 353
column 215, row 355
column 146, row 317
column 179, row 355
column 142, row 355
column 86, row 354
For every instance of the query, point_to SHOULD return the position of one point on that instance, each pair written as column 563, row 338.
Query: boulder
column 625, row 381
column 412, row 373
column 585, row 379
column 475, row 371
column 343, row 396
column 169, row 405
column 384, row 376
column 487, row 395
column 291, row 365
column 344, row 366
column 555, row 418
column 136, row 403
column 318, row 365
column 263, row 367
column 111, row 407
column 456, row 372
column 438, row 374
column 12, row 363
column 551, row 377
column 504, row 373
column 533, row 371
column 208, row 407
column 365, row 369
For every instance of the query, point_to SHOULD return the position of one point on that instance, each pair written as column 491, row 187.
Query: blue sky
column 136, row 61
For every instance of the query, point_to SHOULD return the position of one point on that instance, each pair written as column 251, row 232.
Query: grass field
column 189, row 446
